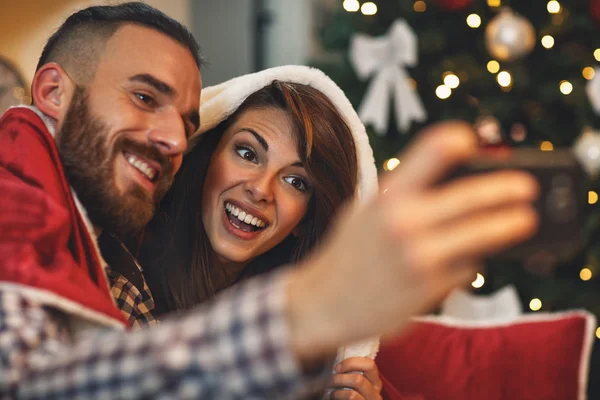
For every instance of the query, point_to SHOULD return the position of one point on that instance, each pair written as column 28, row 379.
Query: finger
column 361, row 364
column 456, row 276
column 468, row 195
column 474, row 237
column 345, row 394
column 356, row 381
column 434, row 153
column 439, row 285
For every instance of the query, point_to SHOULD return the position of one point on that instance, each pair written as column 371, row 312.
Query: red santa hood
column 48, row 249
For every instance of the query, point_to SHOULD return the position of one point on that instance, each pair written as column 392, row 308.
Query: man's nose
column 168, row 135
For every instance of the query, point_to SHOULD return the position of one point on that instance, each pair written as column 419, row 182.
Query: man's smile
column 145, row 173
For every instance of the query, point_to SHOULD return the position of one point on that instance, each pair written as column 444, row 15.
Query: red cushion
column 537, row 356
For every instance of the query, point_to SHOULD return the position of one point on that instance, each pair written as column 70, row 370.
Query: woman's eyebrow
column 259, row 138
column 265, row 145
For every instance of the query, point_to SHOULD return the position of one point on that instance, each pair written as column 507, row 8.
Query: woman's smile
column 242, row 222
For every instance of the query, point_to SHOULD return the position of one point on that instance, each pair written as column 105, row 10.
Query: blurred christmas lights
column 474, row 21
column 478, row 282
column 588, row 73
column 547, row 41
column 368, row 8
column 535, row 304
column 546, row 146
column 566, row 87
column 504, row 79
column 451, row 80
column 493, row 66
column 420, row 6
column 553, row 7
column 351, row 5
column 391, row 164
column 585, row 274
column 443, row 92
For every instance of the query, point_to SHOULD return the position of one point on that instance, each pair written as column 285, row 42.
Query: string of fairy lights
column 504, row 79
column 367, row 7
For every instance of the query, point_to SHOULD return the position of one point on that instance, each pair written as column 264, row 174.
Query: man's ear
column 52, row 90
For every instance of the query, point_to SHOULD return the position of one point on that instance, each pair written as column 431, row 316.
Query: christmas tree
column 521, row 71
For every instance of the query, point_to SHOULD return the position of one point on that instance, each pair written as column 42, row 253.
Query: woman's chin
column 227, row 256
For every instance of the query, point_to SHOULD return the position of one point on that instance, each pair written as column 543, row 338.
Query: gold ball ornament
column 509, row 37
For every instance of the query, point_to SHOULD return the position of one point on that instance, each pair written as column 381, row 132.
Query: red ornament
column 595, row 10
column 456, row 5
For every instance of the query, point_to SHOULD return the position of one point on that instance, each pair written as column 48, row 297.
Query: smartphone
column 561, row 205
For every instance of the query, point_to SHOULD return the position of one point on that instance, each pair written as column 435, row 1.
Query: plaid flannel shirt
column 136, row 304
column 126, row 281
column 235, row 348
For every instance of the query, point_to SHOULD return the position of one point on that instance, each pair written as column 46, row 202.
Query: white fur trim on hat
column 220, row 101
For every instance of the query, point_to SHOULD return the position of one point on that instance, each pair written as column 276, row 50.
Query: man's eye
column 297, row 183
column 246, row 153
column 146, row 99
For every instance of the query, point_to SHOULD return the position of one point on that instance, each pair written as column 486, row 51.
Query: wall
column 226, row 32
column 25, row 25
column 291, row 32
column 224, row 29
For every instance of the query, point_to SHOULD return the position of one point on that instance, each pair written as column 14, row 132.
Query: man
column 119, row 87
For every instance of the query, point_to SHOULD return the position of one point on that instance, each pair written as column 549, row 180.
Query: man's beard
column 89, row 164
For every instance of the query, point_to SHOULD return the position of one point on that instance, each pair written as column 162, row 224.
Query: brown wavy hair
column 176, row 252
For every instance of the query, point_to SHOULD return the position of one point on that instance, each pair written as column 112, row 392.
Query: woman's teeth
column 244, row 216
column 141, row 166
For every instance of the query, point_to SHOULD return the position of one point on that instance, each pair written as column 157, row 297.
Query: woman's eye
column 297, row 183
column 246, row 153
column 146, row 99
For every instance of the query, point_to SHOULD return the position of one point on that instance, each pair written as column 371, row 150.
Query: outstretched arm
column 402, row 253
column 393, row 259
column 236, row 348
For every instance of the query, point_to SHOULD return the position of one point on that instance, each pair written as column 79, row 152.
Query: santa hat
column 220, row 101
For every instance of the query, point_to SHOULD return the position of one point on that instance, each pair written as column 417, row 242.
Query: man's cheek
column 176, row 164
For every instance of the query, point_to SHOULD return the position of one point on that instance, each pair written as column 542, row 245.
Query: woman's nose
column 260, row 188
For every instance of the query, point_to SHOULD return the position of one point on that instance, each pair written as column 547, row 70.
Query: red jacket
column 46, row 251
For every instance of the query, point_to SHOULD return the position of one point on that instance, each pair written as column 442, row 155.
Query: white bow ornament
column 385, row 57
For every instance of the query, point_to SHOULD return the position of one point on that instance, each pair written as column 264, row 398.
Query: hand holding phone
column 561, row 203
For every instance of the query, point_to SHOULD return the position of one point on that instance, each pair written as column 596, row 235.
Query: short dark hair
column 85, row 30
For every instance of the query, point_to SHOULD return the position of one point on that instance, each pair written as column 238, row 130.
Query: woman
column 278, row 153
